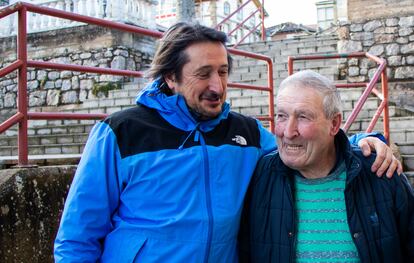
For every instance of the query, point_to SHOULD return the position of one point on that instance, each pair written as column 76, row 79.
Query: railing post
column 386, row 120
column 263, row 25
column 22, row 140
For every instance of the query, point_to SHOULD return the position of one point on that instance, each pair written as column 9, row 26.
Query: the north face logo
column 239, row 140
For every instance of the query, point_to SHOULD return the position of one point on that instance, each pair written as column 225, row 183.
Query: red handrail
column 22, row 63
column 369, row 88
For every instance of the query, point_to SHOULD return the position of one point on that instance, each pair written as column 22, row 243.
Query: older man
column 164, row 181
column 316, row 199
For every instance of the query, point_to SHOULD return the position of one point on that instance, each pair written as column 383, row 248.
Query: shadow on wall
column 31, row 203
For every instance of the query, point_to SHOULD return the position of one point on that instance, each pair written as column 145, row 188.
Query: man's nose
column 215, row 84
column 291, row 128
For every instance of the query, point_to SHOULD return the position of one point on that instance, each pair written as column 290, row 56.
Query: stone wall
column 372, row 9
column 388, row 38
column 84, row 45
column 31, row 206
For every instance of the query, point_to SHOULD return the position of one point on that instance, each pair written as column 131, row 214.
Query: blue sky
column 296, row 11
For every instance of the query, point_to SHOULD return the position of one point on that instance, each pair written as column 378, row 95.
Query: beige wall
column 368, row 9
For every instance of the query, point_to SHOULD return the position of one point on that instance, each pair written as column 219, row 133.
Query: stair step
column 46, row 139
column 406, row 148
column 395, row 123
column 41, row 160
column 408, row 162
column 67, row 148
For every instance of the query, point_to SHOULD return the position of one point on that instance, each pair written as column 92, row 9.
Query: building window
column 226, row 8
column 326, row 17
column 240, row 13
column 253, row 21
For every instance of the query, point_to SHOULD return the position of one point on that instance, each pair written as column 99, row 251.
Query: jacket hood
column 174, row 108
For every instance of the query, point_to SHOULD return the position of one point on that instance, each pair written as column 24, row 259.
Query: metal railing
column 369, row 88
column 22, row 63
column 252, row 29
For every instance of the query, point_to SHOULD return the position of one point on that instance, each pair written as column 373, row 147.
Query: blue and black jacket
column 155, row 185
column 380, row 211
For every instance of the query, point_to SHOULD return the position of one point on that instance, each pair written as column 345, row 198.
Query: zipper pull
column 197, row 136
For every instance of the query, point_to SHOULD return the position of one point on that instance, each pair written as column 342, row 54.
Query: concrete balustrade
column 140, row 13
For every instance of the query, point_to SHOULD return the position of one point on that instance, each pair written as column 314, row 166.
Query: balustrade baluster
column 68, row 8
column 31, row 22
column 52, row 19
column 60, row 6
column 100, row 9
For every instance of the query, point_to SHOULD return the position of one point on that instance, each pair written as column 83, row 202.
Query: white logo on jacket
column 239, row 139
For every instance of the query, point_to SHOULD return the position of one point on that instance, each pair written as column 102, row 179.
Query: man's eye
column 223, row 73
column 280, row 116
column 204, row 75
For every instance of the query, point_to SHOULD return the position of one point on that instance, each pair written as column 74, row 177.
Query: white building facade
column 135, row 12
column 212, row 12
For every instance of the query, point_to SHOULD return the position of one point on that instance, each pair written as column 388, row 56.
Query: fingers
column 385, row 161
column 365, row 147
column 382, row 161
column 393, row 167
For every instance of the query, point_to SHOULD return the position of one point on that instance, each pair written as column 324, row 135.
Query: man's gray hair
column 310, row 79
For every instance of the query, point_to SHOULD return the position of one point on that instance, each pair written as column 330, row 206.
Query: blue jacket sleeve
column 354, row 139
column 92, row 199
column 268, row 140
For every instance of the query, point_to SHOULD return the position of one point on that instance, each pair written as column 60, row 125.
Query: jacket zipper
column 208, row 196
column 290, row 193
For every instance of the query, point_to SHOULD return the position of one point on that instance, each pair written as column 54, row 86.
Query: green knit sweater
column 323, row 232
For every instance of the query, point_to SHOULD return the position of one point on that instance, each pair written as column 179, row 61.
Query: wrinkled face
column 204, row 78
column 305, row 136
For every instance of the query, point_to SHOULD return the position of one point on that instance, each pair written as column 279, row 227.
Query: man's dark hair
column 170, row 57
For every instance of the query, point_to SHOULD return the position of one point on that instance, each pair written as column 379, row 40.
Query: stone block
column 76, row 129
column 53, row 75
column 73, row 149
column 407, row 21
column 391, row 22
column 355, row 27
column 10, row 100
column 53, row 150
column 53, row 97
column 118, row 62
column 376, row 50
column 32, row 85
column 394, row 61
column 408, row 48
column 65, row 74
column 241, row 102
column 70, row 97
column 44, row 131
column 404, row 72
column 392, row 49
column 345, row 46
column 409, row 60
column 372, row 25
column 37, row 98
column 405, row 31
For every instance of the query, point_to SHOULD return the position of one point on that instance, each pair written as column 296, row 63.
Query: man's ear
column 336, row 123
column 170, row 80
